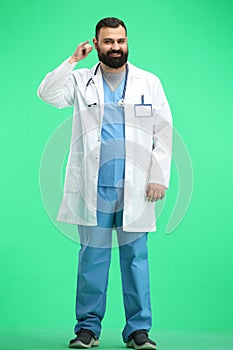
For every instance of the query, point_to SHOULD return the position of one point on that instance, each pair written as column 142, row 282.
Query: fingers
column 88, row 48
column 162, row 194
column 85, row 42
column 81, row 52
column 150, row 194
column 82, row 45
column 85, row 47
column 154, row 194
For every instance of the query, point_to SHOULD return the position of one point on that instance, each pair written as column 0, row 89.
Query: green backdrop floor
column 48, row 339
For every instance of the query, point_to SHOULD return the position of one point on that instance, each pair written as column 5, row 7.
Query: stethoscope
column 121, row 102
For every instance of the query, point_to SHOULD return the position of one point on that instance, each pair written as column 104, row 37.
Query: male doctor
column 118, row 166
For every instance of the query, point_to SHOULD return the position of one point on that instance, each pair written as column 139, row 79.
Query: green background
column 189, row 46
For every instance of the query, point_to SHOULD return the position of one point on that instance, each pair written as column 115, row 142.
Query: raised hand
column 81, row 52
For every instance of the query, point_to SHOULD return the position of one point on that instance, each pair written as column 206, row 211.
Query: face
column 112, row 46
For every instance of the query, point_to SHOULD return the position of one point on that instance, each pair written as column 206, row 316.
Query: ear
column 95, row 42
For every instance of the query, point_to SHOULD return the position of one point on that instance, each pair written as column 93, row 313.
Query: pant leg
column 135, row 284
column 93, row 270
column 93, row 266
column 135, row 278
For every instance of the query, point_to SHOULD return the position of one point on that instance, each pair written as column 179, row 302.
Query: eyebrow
column 113, row 39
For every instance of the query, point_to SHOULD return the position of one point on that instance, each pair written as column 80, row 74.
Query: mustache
column 115, row 51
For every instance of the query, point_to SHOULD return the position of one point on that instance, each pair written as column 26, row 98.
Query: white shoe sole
column 80, row 345
column 133, row 345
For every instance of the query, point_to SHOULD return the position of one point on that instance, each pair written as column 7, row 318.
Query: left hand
column 155, row 192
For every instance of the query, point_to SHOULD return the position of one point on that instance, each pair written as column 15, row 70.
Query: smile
column 115, row 54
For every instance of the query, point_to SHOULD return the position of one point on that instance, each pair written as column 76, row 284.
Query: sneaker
column 85, row 339
column 139, row 340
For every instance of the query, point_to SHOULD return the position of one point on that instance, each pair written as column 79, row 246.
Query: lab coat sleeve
column 162, row 140
column 58, row 86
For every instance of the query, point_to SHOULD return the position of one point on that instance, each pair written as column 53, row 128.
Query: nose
column 115, row 46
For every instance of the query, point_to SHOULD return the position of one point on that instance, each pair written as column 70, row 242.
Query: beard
column 113, row 62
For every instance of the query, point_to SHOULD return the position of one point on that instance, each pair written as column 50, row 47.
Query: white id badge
column 143, row 109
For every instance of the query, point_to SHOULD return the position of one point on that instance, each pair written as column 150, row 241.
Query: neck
column 112, row 70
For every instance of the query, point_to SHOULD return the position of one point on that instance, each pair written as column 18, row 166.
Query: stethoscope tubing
column 121, row 102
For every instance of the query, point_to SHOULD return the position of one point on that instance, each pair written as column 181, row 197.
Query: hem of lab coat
column 125, row 228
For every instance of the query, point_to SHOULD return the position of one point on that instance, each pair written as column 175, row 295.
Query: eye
column 121, row 41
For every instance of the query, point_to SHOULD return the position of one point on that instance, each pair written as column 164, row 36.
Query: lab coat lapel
column 132, row 82
column 98, row 80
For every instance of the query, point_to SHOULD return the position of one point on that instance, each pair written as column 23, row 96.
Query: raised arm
column 58, row 86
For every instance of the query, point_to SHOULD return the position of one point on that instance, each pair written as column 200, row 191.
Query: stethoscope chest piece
column 121, row 102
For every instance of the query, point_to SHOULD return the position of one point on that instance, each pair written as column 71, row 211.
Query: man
column 119, row 164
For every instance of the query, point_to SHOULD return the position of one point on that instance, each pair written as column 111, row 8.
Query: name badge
column 143, row 109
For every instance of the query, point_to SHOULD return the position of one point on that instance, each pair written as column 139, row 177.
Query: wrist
column 72, row 60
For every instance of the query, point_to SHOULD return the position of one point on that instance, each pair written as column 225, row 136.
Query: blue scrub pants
column 94, row 263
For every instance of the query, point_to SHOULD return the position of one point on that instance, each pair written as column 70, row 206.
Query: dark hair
column 112, row 22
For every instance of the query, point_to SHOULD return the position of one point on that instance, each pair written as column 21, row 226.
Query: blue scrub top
column 112, row 151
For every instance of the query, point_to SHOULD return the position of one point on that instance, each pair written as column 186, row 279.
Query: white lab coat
column 148, row 143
